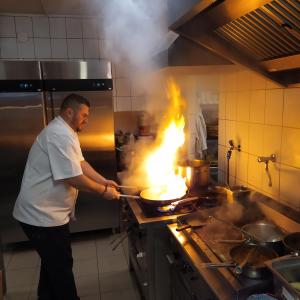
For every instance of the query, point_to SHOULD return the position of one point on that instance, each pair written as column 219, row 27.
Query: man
column 54, row 172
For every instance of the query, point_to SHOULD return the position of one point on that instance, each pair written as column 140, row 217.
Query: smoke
column 133, row 30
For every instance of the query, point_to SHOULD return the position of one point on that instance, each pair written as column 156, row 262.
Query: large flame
column 161, row 164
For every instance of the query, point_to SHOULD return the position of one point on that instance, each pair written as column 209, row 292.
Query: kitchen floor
column 100, row 273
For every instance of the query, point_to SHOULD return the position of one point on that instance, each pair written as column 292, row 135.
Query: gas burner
column 171, row 209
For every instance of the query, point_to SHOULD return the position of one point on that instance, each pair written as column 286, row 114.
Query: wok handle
column 186, row 200
column 130, row 196
column 218, row 265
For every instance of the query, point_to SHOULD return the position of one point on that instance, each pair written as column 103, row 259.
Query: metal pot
column 292, row 243
column 197, row 171
column 265, row 234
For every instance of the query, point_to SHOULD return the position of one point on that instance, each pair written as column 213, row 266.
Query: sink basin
column 286, row 275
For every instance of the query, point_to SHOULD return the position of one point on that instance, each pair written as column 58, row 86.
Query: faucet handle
column 266, row 159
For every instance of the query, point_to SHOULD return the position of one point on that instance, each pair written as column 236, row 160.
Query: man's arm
column 91, row 173
column 83, row 183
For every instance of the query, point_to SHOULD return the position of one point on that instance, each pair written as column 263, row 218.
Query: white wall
column 264, row 119
column 33, row 37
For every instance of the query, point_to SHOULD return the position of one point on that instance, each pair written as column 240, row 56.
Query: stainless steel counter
column 215, row 278
column 154, row 246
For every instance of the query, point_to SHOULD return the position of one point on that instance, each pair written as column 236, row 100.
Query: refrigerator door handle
column 48, row 107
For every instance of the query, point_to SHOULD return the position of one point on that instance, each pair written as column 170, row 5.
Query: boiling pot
column 197, row 171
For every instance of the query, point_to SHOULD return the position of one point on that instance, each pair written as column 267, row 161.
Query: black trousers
column 53, row 245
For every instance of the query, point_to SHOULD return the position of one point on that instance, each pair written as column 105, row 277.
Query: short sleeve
column 64, row 156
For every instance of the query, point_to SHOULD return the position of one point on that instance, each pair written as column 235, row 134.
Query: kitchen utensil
column 251, row 257
column 147, row 197
column 252, row 236
column 266, row 234
column 193, row 224
column 291, row 243
column 247, row 259
column 197, row 171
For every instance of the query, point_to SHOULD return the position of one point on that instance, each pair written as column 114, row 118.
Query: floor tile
column 87, row 285
column 23, row 259
column 118, row 280
column 91, row 297
column 124, row 295
column 105, row 247
column 112, row 263
column 20, row 292
column 20, row 277
column 85, row 249
column 85, row 267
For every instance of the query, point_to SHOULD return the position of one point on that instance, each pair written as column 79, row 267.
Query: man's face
column 79, row 117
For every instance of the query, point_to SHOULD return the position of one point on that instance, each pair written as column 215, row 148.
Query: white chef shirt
column 45, row 199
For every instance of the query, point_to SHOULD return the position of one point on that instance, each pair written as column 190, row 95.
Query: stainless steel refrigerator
column 30, row 97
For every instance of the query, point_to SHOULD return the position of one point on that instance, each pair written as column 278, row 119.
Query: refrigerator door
column 22, row 119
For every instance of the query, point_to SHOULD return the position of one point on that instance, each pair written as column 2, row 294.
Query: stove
column 213, row 242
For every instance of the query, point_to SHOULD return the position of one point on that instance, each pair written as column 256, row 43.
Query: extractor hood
column 262, row 35
column 185, row 52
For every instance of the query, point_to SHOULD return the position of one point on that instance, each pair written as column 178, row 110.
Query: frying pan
column 146, row 196
column 252, row 257
column 247, row 259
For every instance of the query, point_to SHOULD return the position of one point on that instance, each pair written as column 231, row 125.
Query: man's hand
column 111, row 194
column 111, row 183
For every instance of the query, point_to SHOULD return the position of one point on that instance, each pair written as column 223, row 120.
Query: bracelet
column 105, row 190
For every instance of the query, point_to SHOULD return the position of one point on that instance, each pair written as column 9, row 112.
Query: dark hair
column 73, row 100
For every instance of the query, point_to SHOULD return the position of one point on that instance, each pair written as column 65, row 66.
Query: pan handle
column 218, row 265
column 130, row 196
column 186, row 200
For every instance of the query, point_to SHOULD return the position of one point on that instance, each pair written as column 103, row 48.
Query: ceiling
column 262, row 35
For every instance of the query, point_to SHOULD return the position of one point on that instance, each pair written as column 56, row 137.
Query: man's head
column 75, row 111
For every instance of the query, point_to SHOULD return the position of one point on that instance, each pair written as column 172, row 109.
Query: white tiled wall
column 66, row 37
column 263, row 118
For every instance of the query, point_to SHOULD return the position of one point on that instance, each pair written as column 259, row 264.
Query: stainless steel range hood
column 184, row 52
column 261, row 35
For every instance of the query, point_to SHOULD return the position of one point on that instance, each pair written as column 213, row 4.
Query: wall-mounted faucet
column 229, row 152
column 266, row 160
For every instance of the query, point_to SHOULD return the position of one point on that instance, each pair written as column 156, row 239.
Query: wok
column 261, row 233
column 251, row 258
column 292, row 243
column 151, row 196
column 146, row 196
column 248, row 259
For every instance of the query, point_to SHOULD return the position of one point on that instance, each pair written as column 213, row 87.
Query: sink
column 286, row 275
